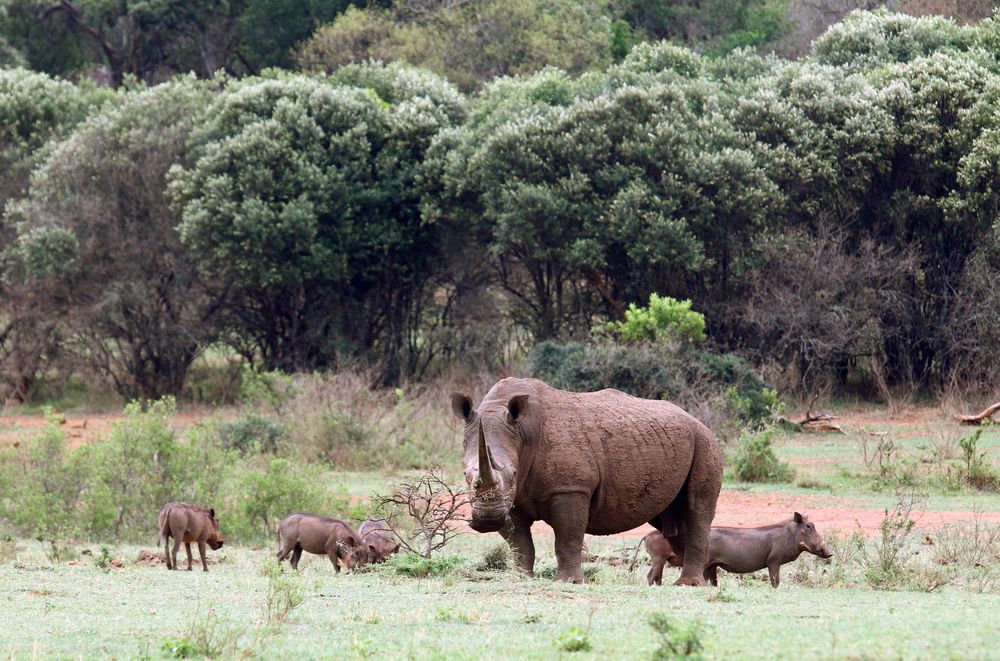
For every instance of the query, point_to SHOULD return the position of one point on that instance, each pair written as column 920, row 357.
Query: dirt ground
column 80, row 428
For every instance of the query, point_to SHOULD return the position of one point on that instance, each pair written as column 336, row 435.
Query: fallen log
column 985, row 414
column 818, row 422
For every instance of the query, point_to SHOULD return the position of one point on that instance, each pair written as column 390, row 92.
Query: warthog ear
column 372, row 549
column 517, row 405
column 211, row 512
column 797, row 518
column 461, row 405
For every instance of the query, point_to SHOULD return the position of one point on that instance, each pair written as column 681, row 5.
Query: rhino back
column 631, row 455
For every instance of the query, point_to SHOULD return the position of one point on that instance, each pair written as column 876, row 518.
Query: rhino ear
column 461, row 405
column 517, row 405
column 797, row 518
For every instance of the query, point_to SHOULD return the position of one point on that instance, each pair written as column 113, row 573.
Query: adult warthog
column 598, row 463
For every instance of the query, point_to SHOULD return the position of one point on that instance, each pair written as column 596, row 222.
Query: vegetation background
column 279, row 233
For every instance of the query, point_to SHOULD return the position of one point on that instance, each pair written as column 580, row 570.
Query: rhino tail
column 635, row 556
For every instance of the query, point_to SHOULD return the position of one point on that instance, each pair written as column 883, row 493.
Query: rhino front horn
column 487, row 480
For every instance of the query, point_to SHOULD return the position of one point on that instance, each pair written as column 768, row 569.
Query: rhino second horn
column 487, row 480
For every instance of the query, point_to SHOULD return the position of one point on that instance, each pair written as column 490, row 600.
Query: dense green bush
column 251, row 435
column 685, row 377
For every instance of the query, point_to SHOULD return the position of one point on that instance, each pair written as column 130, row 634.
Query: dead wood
column 985, row 414
column 818, row 422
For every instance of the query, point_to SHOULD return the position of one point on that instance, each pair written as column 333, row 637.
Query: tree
column 303, row 206
column 97, row 239
column 467, row 42
column 34, row 109
column 630, row 190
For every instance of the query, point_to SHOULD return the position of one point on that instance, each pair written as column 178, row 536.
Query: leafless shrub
column 974, row 545
column 433, row 508
column 818, row 304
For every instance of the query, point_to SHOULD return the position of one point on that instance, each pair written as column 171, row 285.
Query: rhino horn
column 487, row 480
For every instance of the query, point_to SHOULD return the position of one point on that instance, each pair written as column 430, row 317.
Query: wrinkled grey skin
column 744, row 550
column 597, row 463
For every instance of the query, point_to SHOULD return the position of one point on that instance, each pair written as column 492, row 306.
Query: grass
column 79, row 611
column 465, row 612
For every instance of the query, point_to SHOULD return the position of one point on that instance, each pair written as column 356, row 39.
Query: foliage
column 252, row 434
column 263, row 494
column 418, row 566
column 574, row 639
column 886, row 562
column 677, row 641
column 754, row 459
column 663, row 319
column 976, row 471
column 469, row 43
column 325, row 255
column 283, row 595
column 695, row 380
column 98, row 244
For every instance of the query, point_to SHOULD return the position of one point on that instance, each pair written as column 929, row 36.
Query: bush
column 139, row 468
column 677, row 641
column 262, row 495
column 42, row 483
column 496, row 558
column 686, row 377
column 417, row 566
column 755, row 460
column 574, row 640
column 252, row 435
column 663, row 319
column 975, row 471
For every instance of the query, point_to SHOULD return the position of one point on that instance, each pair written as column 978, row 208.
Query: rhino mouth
column 489, row 518
column 487, row 524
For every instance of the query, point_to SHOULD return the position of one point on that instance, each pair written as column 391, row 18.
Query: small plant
column 103, row 559
column 8, row 549
column 885, row 564
column 58, row 551
column 574, row 640
column 755, row 460
column 433, row 507
column 976, row 472
column 284, row 593
column 207, row 637
column 417, row 566
column 496, row 558
column 677, row 641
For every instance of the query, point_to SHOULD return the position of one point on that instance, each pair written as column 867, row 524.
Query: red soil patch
column 79, row 428
column 742, row 509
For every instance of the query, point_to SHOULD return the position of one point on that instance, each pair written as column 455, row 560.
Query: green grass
column 82, row 612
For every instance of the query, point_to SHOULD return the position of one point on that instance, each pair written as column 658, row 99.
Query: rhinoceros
column 598, row 463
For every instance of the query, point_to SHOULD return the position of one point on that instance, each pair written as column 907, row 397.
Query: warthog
column 378, row 538
column 323, row 536
column 744, row 550
column 188, row 523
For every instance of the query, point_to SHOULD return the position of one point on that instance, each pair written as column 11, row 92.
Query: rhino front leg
column 517, row 532
column 568, row 514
